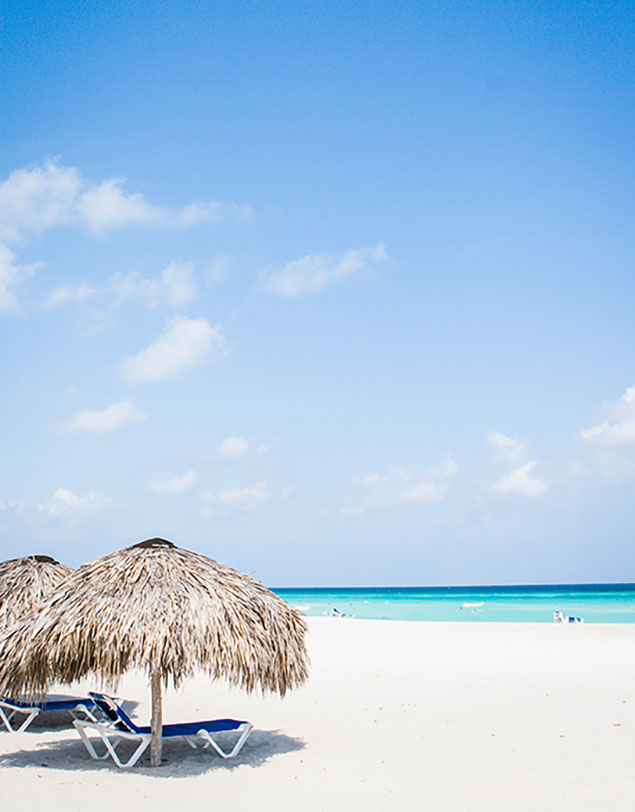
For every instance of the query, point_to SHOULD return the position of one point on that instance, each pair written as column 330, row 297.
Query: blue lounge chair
column 560, row 617
column 119, row 726
column 74, row 705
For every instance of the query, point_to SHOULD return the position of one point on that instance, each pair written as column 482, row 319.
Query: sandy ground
column 396, row 716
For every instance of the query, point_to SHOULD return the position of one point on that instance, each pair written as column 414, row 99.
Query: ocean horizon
column 521, row 603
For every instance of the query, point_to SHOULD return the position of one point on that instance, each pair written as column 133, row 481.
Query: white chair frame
column 8, row 710
column 112, row 736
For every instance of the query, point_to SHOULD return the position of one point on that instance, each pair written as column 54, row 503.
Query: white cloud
column 236, row 500
column 67, row 293
column 217, row 269
column 110, row 419
column 245, row 499
column 14, row 507
column 233, row 448
column 38, row 198
column 619, row 428
column 211, row 212
column 66, row 504
column 314, row 272
column 520, row 483
column 184, row 344
column 401, row 487
column 178, row 283
column 176, row 286
column 10, row 277
column 48, row 195
column 508, row 449
column 107, row 206
column 175, row 485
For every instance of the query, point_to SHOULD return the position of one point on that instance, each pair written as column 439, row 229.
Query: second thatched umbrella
column 166, row 610
column 25, row 583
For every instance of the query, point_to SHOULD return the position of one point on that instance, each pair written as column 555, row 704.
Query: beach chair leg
column 143, row 745
column 246, row 730
column 7, row 718
column 110, row 743
column 192, row 742
column 84, row 710
column 34, row 712
column 88, row 743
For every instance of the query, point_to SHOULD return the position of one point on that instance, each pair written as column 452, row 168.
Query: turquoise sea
column 595, row 603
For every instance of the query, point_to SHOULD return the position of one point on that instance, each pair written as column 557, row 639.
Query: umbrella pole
column 156, row 724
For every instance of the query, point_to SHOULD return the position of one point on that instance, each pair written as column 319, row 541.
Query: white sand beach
column 402, row 716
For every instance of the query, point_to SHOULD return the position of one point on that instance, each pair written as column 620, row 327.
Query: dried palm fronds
column 25, row 582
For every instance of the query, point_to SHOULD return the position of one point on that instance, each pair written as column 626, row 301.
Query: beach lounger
column 560, row 617
column 9, row 708
column 120, row 727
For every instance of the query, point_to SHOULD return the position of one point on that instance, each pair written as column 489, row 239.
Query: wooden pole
column 156, row 724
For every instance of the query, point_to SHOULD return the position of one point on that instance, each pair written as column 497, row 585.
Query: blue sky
column 336, row 293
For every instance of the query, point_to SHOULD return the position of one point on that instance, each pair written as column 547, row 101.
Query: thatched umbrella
column 25, row 582
column 166, row 610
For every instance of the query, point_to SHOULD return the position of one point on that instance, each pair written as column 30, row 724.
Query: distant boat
column 471, row 605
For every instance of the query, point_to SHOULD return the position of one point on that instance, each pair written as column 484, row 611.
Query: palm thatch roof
column 25, row 582
column 165, row 610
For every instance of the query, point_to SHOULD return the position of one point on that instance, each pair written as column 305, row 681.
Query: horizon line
column 468, row 586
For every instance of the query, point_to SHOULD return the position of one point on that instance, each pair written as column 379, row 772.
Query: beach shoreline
column 595, row 603
column 397, row 715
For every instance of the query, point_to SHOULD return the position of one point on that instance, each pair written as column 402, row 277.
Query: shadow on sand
column 179, row 760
